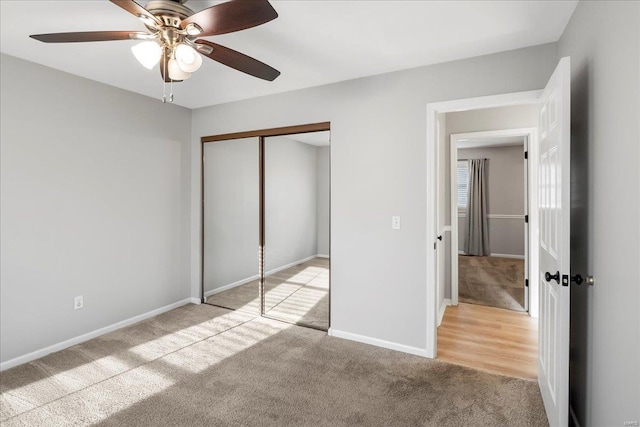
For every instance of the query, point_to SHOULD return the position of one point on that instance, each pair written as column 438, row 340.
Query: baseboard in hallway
column 443, row 306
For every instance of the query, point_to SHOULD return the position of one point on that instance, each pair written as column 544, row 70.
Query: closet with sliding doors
column 266, row 223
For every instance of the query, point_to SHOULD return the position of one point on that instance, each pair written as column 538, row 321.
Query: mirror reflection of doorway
column 290, row 222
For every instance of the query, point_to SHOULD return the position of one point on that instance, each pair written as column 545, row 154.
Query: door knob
column 577, row 279
column 548, row 276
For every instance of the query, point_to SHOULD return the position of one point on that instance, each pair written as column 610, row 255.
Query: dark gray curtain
column 476, row 240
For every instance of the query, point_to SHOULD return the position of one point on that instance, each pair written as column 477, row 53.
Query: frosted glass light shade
column 175, row 73
column 147, row 53
column 188, row 59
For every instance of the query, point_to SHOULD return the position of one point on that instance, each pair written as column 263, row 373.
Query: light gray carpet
column 492, row 281
column 204, row 366
column 299, row 294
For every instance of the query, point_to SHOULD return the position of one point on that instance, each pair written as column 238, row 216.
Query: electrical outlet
column 78, row 302
column 395, row 222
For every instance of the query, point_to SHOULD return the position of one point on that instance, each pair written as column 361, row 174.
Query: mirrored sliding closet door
column 230, row 224
column 296, row 217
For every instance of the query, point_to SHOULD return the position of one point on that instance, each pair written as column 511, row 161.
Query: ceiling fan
column 172, row 36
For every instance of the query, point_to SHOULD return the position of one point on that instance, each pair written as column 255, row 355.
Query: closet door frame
column 261, row 135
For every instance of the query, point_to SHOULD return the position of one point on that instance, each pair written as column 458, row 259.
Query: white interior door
column 554, row 233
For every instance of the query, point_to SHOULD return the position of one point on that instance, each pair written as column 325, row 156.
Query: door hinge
column 526, row 155
column 526, row 283
column 526, row 219
column 565, row 280
column 435, row 244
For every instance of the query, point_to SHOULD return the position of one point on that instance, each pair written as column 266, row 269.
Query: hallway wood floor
column 489, row 339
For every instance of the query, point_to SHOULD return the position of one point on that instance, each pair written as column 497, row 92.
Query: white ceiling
column 311, row 42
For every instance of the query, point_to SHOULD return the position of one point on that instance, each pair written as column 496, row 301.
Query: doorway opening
column 487, row 325
column 485, row 304
column 549, row 173
column 490, row 219
column 269, row 190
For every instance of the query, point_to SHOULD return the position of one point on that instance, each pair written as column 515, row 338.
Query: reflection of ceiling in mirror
column 318, row 139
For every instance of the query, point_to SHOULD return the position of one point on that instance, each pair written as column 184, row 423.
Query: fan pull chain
column 164, row 80
column 171, row 90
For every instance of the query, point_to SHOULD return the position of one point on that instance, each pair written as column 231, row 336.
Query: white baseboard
column 93, row 334
column 462, row 253
column 291, row 264
column 231, row 286
column 574, row 418
column 378, row 342
column 195, row 301
column 443, row 307
column 256, row 277
column 507, row 256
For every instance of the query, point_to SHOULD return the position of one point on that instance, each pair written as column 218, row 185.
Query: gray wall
column 378, row 167
column 514, row 117
column 290, row 202
column 323, row 177
column 231, row 212
column 603, row 40
column 95, row 199
column 505, row 196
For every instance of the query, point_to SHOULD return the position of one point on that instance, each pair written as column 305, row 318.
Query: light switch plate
column 395, row 222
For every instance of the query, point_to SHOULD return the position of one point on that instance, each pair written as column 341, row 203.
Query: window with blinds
column 463, row 184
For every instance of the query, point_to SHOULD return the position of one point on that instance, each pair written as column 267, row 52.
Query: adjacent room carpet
column 299, row 294
column 201, row 365
column 492, row 281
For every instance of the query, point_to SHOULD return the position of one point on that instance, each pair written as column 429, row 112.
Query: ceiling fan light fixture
column 175, row 72
column 193, row 29
column 147, row 53
column 187, row 58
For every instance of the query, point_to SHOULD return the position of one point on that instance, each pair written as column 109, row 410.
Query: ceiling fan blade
column 90, row 36
column 239, row 61
column 135, row 9
column 234, row 15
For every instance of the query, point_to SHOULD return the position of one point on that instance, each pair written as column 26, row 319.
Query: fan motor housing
column 170, row 12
